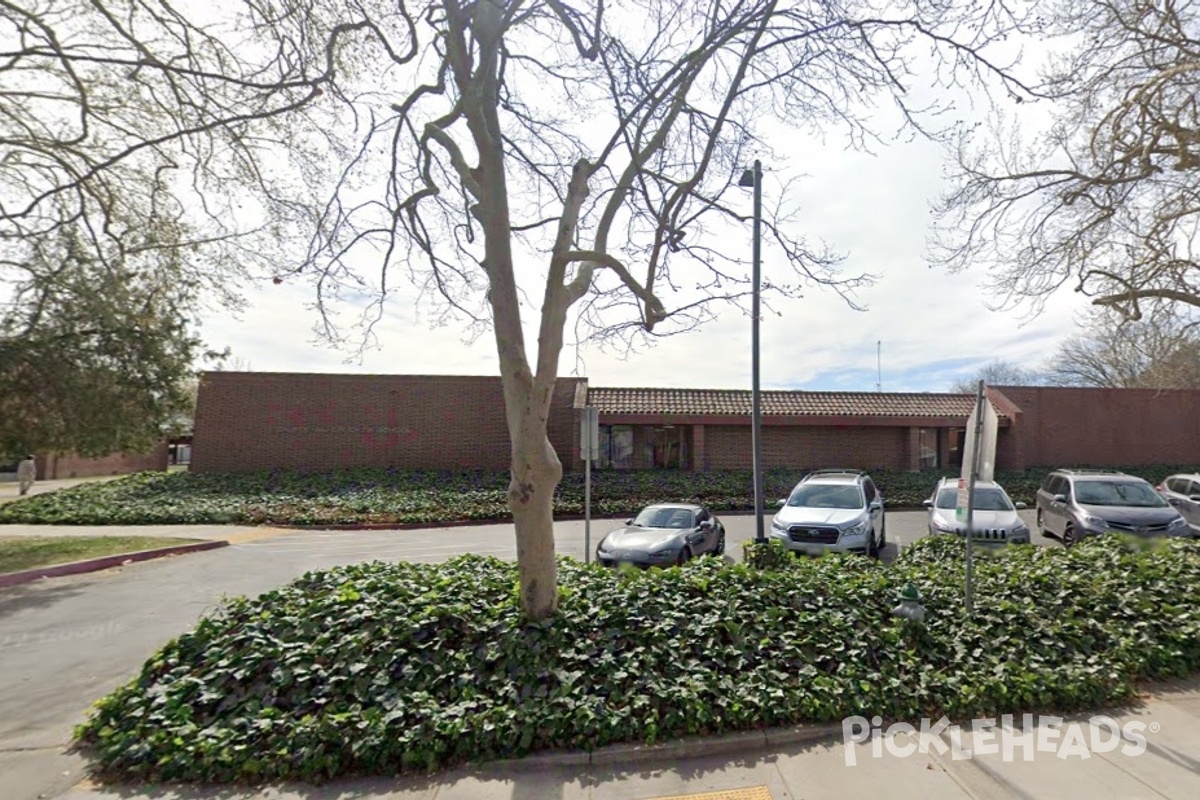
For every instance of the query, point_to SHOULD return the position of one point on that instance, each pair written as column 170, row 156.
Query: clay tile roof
column 779, row 403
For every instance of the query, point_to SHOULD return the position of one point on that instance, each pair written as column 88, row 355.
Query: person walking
column 26, row 474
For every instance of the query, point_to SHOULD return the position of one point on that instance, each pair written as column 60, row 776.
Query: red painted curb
column 107, row 562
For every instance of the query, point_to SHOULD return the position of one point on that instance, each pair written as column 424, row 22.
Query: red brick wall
column 69, row 465
column 263, row 420
column 797, row 447
column 1105, row 427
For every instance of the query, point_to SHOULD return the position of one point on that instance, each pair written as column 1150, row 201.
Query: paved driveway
column 65, row 642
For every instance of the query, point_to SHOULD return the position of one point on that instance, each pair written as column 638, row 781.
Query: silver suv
column 832, row 511
column 1073, row 503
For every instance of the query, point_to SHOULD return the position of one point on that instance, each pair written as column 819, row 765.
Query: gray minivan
column 1073, row 503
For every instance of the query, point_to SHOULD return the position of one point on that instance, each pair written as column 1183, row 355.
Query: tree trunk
column 536, row 472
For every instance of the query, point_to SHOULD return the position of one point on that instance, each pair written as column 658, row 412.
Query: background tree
column 574, row 158
column 93, row 358
column 1108, row 199
column 1159, row 351
column 999, row 372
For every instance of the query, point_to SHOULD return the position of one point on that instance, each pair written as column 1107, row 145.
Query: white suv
column 994, row 516
column 832, row 511
column 1183, row 492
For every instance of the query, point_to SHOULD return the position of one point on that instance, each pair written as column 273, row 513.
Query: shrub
column 770, row 555
column 387, row 496
column 384, row 668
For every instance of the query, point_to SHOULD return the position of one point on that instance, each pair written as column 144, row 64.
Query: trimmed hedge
column 385, row 668
column 384, row 496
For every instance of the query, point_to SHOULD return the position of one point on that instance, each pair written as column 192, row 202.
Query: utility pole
column 753, row 177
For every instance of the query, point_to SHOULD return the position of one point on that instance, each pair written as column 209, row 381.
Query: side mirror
column 1195, row 498
column 629, row 521
column 707, row 525
column 1021, row 506
column 1059, row 498
column 781, row 503
column 928, row 504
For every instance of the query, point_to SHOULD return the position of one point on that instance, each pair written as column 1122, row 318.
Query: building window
column 927, row 447
column 958, row 438
column 668, row 445
column 616, row 446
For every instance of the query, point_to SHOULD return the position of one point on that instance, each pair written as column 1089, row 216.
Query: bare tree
column 586, row 150
column 1108, row 199
column 1159, row 351
column 999, row 372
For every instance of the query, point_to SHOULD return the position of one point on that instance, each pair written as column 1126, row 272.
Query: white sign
column 987, row 444
column 960, row 505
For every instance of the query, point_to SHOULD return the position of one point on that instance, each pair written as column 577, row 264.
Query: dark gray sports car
column 662, row 535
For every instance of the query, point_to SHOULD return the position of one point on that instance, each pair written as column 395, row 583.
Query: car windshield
column 664, row 518
column 986, row 499
column 826, row 496
column 1117, row 493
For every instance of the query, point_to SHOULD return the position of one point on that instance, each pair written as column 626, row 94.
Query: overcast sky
column 935, row 328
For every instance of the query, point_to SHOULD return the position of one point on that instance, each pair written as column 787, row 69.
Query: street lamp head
column 747, row 179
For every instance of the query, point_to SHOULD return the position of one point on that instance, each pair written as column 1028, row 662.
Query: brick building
column 247, row 421
column 264, row 420
column 51, row 466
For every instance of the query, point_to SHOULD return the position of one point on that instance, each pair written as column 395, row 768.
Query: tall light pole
column 753, row 177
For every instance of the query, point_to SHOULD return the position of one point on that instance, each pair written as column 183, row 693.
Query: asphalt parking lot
column 64, row 642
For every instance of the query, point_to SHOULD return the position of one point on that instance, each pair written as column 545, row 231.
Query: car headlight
column 1095, row 522
column 663, row 553
column 944, row 527
column 776, row 525
column 603, row 546
column 856, row 530
column 1020, row 528
column 1177, row 523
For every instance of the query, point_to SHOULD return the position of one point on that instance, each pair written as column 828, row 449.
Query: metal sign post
column 589, row 449
column 979, row 461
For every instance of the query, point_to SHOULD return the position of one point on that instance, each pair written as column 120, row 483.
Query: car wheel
column 685, row 555
column 719, row 550
column 1070, row 536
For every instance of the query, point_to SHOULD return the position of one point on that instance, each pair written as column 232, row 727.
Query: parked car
column 832, row 511
column 1073, row 503
column 994, row 516
column 1183, row 492
column 663, row 535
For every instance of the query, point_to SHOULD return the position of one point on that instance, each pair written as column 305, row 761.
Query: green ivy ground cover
column 381, row 668
column 419, row 497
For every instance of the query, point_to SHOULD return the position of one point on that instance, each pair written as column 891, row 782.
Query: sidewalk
column 234, row 534
column 11, row 490
column 1167, row 767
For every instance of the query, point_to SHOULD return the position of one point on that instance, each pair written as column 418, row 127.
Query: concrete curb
column 670, row 752
column 463, row 523
column 106, row 562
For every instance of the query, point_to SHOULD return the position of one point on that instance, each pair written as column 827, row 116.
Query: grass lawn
column 28, row 552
